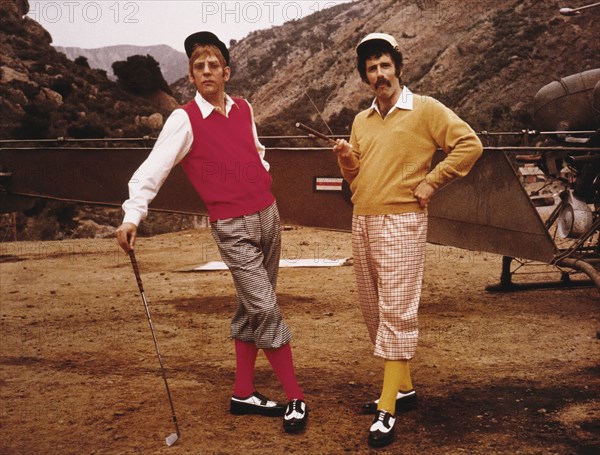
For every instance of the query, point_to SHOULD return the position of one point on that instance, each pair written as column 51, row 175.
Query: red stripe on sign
column 328, row 184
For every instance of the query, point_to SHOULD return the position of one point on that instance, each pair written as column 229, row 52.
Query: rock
column 16, row 99
column 22, row 6
column 155, row 121
column 36, row 32
column 91, row 229
column 10, row 75
column 47, row 94
column 14, row 9
column 162, row 100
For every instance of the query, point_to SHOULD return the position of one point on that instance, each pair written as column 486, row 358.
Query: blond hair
column 202, row 50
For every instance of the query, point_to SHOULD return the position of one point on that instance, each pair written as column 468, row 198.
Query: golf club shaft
column 593, row 5
column 315, row 133
column 138, row 278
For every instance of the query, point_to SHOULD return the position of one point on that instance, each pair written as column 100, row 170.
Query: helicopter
column 495, row 213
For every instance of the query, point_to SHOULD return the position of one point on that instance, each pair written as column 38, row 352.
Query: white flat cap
column 378, row 37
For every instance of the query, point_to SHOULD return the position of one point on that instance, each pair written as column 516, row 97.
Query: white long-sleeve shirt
column 173, row 144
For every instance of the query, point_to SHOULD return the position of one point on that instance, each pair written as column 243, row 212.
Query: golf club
column 315, row 133
column 172, row 438
column 573, row 11
column 318, row 112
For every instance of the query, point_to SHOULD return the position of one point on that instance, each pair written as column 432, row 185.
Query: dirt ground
column 495, row 373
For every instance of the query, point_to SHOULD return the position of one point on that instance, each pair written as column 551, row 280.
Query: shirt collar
column 405, row 101
column 206, row 108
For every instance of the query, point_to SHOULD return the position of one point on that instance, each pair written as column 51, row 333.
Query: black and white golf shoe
column 381, row 432
column 295, row 417
column 255, row 404
column 405, row 401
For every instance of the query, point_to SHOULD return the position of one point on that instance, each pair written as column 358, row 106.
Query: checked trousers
column 250, row 246
column 389, row 257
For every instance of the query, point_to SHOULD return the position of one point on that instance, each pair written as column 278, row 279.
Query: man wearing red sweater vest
column 214, row 137
column 387, row 164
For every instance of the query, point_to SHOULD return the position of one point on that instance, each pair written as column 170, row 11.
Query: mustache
column 382, row 81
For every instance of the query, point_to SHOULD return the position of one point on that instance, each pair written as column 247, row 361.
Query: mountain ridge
column 172, row 62
column 484, row 61
column 46, row 95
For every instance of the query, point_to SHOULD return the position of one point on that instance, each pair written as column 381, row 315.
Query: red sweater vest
column 223, row 164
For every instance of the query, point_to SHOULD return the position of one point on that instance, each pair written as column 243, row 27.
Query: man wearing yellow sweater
column 388, row 166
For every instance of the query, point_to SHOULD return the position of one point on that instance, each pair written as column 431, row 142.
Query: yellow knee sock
column 396, row 377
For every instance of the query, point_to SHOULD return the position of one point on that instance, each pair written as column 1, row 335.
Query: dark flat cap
column 205, row 38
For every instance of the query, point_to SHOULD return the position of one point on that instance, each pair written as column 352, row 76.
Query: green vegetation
column 45, row 95
column 140, row 75
column 301, row 110
column 82, row 61
column 515, row 37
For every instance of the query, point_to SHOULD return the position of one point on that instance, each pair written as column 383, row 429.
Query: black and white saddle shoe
column 405, row 401
column 255, row 404
column 295, row 417
column 381, row 432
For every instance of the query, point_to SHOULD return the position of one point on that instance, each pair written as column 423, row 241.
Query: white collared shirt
column 405, row 101
column 206, row 108
column 173, row 144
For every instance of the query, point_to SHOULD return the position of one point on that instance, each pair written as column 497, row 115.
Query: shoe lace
column 261, row 397
column 295, row 407
column 381, row 418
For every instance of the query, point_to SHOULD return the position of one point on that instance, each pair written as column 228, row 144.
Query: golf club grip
column 136, row 270
column 315, row 133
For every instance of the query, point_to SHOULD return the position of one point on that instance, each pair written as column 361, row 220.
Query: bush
column 63, row 85
column 140, row 75
column 82, row 61
column 86, row 131
column 341, row 122
column 36, row 123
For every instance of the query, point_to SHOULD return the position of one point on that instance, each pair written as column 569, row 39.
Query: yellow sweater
column 392, row 156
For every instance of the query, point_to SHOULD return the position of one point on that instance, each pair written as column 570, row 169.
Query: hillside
column 484, row 60
column 172, row 63
column 46, row 95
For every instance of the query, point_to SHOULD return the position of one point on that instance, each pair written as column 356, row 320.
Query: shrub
column 140, row 75
column 63, row 85
column 82, row 61
column 36, row 122
column 88, row 130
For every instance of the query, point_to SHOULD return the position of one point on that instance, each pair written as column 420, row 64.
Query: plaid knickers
column 389, row 257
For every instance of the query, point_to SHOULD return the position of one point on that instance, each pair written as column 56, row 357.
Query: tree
column 82, row 61
column 140, row 75
column 36, row 122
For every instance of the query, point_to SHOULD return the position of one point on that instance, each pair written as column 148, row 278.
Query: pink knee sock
column 245, row 358
column 283, row 365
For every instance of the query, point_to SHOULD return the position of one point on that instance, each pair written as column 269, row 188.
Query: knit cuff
column 431, row 179
column 349, row 163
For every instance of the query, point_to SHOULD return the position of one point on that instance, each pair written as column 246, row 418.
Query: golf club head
column 171, row 439
column 568, row 12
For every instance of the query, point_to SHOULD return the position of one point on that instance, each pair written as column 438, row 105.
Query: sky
column 99, row 23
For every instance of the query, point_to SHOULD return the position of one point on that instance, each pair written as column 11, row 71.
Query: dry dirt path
column 496, row 373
